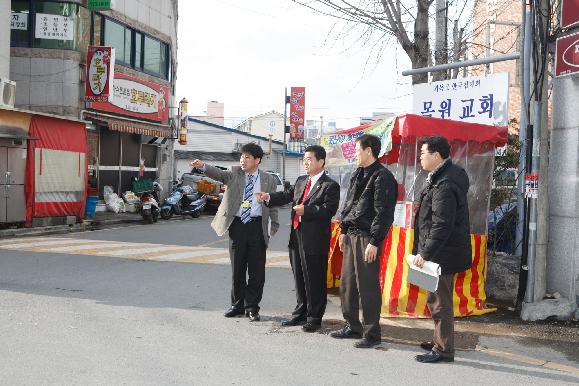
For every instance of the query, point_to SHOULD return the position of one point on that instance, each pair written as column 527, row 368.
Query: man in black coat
column 442, row 235
column 315, row 199
column 366, row 219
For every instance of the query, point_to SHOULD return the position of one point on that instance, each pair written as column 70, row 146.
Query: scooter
column 149, row 207
column 183, row 201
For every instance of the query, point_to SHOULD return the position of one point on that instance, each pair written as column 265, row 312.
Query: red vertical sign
column 297, row 112
column 569, row 13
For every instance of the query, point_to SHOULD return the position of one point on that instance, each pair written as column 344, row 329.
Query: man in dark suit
column 315, row 199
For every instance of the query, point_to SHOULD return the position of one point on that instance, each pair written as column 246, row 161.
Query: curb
column 62, row 229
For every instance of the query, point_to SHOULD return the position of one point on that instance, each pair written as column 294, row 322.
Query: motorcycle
column 149, row 200
column 183, row 201
column 149, row 207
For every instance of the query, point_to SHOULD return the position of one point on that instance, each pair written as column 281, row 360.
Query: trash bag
column 113, row 202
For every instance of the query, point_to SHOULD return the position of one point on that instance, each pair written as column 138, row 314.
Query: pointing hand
column 197, row 163
column 261, row 196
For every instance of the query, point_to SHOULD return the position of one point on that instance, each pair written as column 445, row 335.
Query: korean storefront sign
column 569, row 13
column 100, row 68
column 297, row 112
column 137, row 98
column 100, row 5
column 567, row 55
column 19, row 21
column 476, row 99
column 54, row 27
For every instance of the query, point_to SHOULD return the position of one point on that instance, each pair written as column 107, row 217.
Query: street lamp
column 183, row 121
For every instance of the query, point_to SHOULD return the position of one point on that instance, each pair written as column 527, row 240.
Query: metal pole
column 284, row 134
column 525, row 97
column 464, row 63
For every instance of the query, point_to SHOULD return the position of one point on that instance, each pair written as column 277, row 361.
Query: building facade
column 264, row 125
column 48, row 59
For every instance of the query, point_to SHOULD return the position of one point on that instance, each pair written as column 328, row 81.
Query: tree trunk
column 441, row 40
column 420, row 49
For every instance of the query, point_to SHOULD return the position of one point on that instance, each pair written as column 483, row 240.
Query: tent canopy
column 410, row 126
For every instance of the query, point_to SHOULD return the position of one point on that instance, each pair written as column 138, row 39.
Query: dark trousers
column 360, row 284
column 441, row 309
column 247, row 253
column 310, row 272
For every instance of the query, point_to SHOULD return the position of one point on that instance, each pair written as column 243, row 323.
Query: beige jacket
column 235, row 181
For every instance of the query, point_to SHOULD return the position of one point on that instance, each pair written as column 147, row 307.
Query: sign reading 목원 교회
column 482, row 100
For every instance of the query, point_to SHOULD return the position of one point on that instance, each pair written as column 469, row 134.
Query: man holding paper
column 442, row 236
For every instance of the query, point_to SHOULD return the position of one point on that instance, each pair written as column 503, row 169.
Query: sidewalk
column 101, row 219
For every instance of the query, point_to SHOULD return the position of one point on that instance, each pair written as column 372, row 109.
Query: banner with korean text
column 137, row 98
column 482, row 100
column 100, row 74
column 297, row 112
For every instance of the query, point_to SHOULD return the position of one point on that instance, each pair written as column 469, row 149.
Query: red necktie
column 296, row 222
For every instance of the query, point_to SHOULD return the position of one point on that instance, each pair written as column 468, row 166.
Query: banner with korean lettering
column 100, row 74
column 137, row 98
column 297, row 112
column 341, row 147
column 482, row 100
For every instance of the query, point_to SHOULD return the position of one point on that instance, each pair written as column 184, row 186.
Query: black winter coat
column 441, row 224
column 370, row 203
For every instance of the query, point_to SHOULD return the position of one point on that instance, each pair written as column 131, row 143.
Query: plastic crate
column 143, row 185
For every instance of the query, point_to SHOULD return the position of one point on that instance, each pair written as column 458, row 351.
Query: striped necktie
column 247, row 196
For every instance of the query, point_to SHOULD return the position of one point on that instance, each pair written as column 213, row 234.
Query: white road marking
column 120, row 249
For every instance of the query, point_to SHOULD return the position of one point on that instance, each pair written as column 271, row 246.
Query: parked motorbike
column 149, row 207
column 183, row 201
column 148, row 193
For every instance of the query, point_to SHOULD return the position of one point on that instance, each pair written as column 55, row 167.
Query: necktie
column 247, row 196
column 296, row 221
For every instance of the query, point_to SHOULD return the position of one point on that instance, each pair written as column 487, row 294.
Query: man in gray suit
column 247, row 220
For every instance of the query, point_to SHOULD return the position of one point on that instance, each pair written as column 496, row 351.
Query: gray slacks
column 441, row 309
column 360, row 285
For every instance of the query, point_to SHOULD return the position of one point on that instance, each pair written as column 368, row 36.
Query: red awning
column 127, row 125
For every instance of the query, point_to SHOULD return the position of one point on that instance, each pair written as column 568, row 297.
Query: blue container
column 91, row 203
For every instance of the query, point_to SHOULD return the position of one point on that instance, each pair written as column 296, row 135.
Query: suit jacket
column 233, row 196
column 319, row 208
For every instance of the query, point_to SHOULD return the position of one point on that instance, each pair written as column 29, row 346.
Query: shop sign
column 100, row 5
column 100, row 68
column 567, row 55
column 19, row 21
column 55, row 27
column 569, row 13
column 531, row 185
column 297, row 112
column 137, row 98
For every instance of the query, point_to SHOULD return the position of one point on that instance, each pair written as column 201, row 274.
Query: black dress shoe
column 433, row 357
column 345, row 333
column 233, row 312
column 367, row 343
column 311, row 326
column 254, row 316
column 428, row 346
column 295, row 321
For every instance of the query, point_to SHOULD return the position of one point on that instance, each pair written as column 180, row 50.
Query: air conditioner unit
column 7, row 93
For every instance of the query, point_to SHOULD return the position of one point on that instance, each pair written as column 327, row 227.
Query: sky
column 244, row 53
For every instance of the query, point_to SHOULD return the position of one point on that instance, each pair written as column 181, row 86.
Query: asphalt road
column 78, row 312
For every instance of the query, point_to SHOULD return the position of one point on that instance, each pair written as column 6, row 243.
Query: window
column 20, row 23
column 138, row 50
column 52, row 18
column 119, row 37
column 152, row 55
column 135, row 49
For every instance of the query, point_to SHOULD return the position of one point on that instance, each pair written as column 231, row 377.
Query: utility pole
column 441, row 40
column 285, row 130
